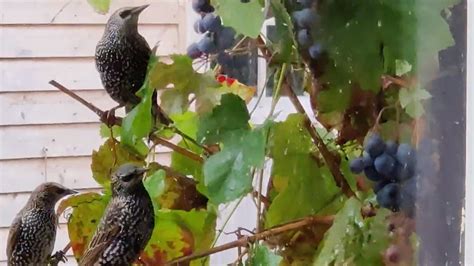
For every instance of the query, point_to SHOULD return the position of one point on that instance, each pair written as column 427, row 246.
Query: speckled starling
column 121, row 58
column 127, row 224
column 33, row 231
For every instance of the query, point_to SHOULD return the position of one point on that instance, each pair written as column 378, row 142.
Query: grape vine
column 342, row 180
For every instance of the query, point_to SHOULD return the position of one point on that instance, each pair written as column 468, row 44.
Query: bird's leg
column 108, row 117
column 59, row 256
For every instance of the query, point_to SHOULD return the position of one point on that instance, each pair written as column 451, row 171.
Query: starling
column 127, row 224
column 121, row 57
column 33, row 231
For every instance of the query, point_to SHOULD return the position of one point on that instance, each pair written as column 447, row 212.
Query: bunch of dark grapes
column 216, row 38
column 392, row 168
column 305, row 21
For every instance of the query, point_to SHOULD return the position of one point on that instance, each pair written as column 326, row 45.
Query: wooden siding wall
column 44, row 134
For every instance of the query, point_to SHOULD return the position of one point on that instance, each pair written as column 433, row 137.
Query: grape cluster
column 305, row 21
column 392, row 168
column 216, row 38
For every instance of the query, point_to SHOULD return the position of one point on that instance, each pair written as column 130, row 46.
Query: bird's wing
column 103, row 236
column 13, row 235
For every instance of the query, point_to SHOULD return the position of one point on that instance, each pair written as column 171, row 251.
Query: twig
column 191, row 155
column 245, row 240
column 78, row 98
column 238, row 261
column 118, row 121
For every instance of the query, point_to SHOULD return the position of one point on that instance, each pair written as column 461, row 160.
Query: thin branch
column 78, row 98
column 118, row 121
column 245, row 240
column 191, row 155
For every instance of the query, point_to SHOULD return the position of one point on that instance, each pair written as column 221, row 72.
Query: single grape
column 404, row 171
column 368, row 161
column 389, row 197
column 304, row 38
column 198, row 26
column 408, row 196
column 379, row 185
column 225, row 59
column 203, row 6
column 305, row 18
column 193, row 51
column 391, row 147
column 357, row 165
column 374, row 145
column 405, row 154
column 225, row 38
column 372, row 174
column 210, row 22
column 305, row 3
column 206, row 45
column 384, row 164
column 315, row 50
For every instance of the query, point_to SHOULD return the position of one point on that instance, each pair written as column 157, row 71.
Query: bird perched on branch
column 33, row 231
column 121, row 57
column 127, row 224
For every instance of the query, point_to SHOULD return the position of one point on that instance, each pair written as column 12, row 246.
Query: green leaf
column 107, row 158
column 402, row 67
column 336, row 247
column 290, row 137
column 155, row 186
column 100, row 6
column 231, row 13
column 410, row 100
column 106, row 132
column 179, row 233
column 284, row 32
column 360, row 42
column 354, row 240
column 263, row 256
column 230, row 115
column 88, row 208
column 296, row 175
column 227, row 173
column 184, row 81
column 138, row 123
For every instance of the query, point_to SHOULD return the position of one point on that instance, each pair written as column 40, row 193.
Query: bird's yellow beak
column 139, row 9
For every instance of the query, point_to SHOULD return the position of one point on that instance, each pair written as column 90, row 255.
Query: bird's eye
column 125, row 13
column 126, row 178
column 60, row 190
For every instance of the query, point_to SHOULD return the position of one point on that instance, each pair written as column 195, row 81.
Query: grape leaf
column 138, row 123
column 227, row 173
column 410, row 100
column 360, row 41
column 107, row 158
column 402, row 67
column 230, row 115
column 284, row 33
column 179, row 233
column 354, row 240
column 87, row 211
column 106, row 132
column 263, row 256
column 185, row 81
column 100, row 6
column 231, row 14
column 155, row 186
column 296, row 175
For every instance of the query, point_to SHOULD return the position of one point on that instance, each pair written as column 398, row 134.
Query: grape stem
column 246, row 240
column 328, row 157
